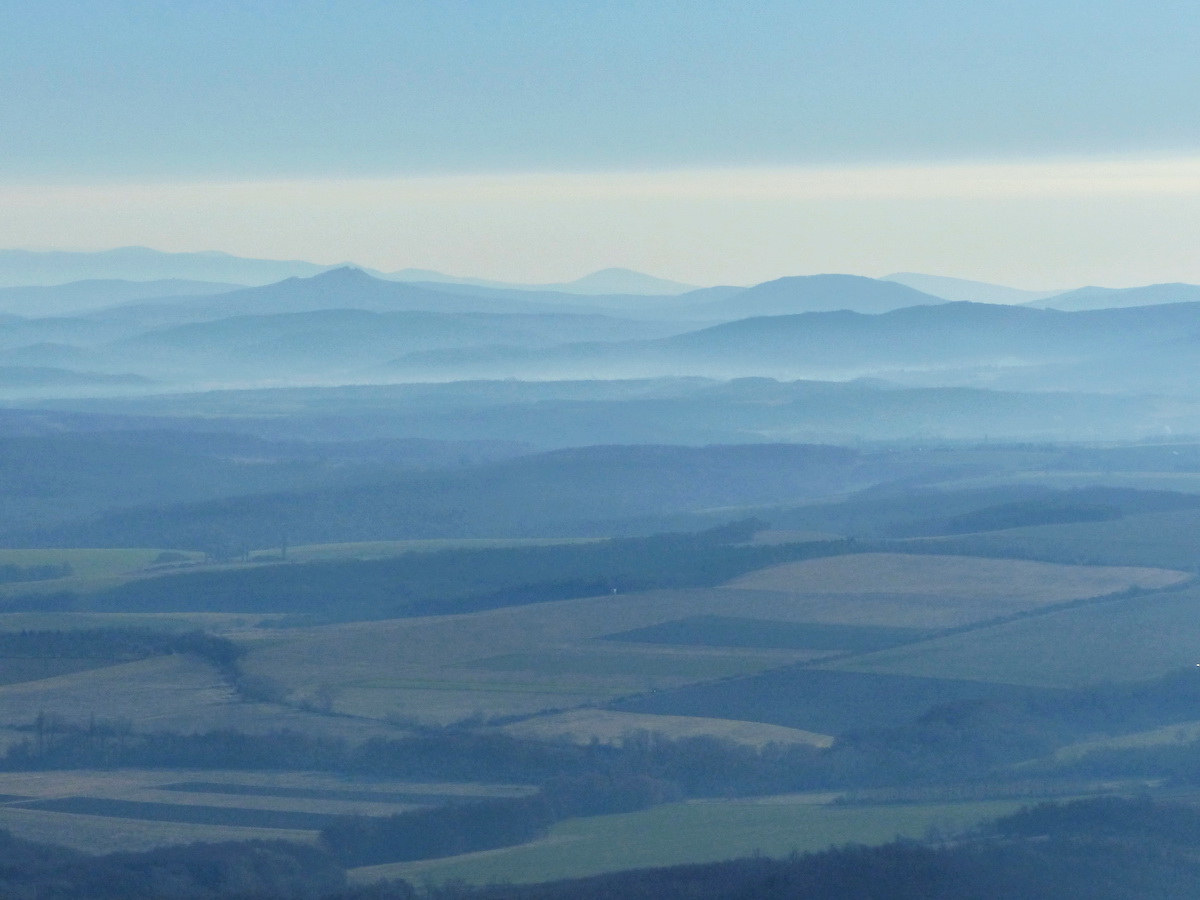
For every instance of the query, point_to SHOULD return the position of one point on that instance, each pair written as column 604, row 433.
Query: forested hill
column 562, row 493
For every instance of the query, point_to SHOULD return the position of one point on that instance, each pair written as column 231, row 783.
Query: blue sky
column 173, row 93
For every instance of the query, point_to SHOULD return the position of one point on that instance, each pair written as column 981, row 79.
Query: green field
column 698, row 831
column 1176, row 733
column 89, row 563
column 386, row 549
column 92, row 569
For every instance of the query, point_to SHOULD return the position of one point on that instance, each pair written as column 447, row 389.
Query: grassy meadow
column 91, row 569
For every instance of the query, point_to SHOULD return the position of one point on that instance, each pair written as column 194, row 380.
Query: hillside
column 563, row 493
column 348, row 342
column 817, row 293
column 86, row 473
column 82, row 296
column 1110, row 298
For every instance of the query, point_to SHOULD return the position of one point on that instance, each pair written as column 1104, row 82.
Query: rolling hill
column 562, row 493
column 944, row 344
column 319, row 343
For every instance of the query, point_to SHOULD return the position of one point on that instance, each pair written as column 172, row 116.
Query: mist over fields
column 318, row 581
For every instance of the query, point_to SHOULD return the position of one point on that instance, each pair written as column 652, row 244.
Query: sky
column 1042, row 144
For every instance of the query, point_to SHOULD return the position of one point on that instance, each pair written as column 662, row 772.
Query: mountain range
column 942, row 344
column 24, row 268
column 344, row 325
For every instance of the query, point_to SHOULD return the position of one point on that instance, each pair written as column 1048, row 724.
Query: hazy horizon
column 532, row 142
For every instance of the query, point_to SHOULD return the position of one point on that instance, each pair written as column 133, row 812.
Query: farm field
column 95, row 570
column 697, row 831
column 1175, row 733
column 217, row 623
column 91, row 570
column 732, row 631
column 555, row 656
column 179, row 692
column 1119, row 640
column 1185, row 482
column 91, row 563
column 495, row 662
column 386, row 549
column 132, row 809
column 664, row 665
column 1002, row 585
column 20, row 670
column 102, row 834
column 819, row 700
column 1153, row 539
column 610, row 726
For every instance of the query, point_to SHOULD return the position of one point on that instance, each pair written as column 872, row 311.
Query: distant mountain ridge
column 345, row 287
column 25, row 268
column 1111, row 298
column 818, row 293
column 1077, row 300
column 347, row 326
column 956, row 289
